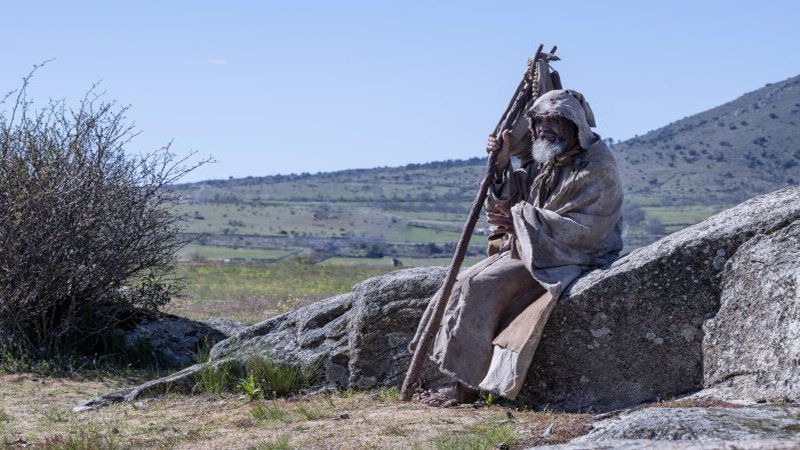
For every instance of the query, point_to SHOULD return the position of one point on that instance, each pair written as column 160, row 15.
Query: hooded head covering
column 570, row 105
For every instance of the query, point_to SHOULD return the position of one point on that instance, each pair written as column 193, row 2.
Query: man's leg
column 463, row 345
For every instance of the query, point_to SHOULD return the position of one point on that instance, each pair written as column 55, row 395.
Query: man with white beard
column 560, row 215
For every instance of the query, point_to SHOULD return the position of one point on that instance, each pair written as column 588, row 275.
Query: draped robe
column 497, row 311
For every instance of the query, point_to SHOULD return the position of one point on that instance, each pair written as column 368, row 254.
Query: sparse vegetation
column 279, row 443
column 260, row 377
column 347, row 419
column 255, row 292
column 268, row 412
column 86, row 227
column 478, row 437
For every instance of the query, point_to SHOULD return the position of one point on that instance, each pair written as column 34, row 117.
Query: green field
column 197, row 252
column 675, row 218
column 386, row 261
column 254, row 292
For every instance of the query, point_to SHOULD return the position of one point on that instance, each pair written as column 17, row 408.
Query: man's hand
column 493, row 147
column 500, row 218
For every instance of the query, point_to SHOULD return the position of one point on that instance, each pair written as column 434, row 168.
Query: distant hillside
column 673, row 176
column 721, row 156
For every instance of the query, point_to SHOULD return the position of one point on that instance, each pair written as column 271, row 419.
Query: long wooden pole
column 513, row 109
column 441, row 301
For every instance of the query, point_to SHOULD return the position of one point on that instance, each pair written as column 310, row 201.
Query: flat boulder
column 754, row 427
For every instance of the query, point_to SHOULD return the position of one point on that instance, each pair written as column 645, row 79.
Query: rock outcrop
column 174, row 341
column 699, row 424
column 752, row 345
column 360, row 338
column 634, row 332
column 623, row 335
column 756, row 427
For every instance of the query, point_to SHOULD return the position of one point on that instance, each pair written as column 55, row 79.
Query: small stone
column 548, row 431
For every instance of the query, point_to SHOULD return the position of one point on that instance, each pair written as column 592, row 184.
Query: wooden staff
column 522, row 95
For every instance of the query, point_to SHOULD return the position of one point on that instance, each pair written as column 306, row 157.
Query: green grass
column 681, row 215
column 216, row 381
column 280, row 380
column 308, row 412
column 193, row 252
column 387, row 262
column 83, row 437
column 282, row 442
column 270, row 412
column 478, row 437
column 262, row 377
column 254, row 292
column 54, row 414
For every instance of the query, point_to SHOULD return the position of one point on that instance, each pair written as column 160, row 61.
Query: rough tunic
column 498, row 308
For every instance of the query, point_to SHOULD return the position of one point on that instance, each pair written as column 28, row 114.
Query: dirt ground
column 36, row 412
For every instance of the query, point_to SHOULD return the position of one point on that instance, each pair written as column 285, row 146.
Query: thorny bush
column 86, row 229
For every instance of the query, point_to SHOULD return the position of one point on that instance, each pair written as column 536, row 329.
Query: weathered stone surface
column 176, row 340
column 305, row 336
column 386, row 311
column 699, row 424
column 227, row 327
column 360, row 338
column 752, row 345
column 633, row 332
column 644, row 444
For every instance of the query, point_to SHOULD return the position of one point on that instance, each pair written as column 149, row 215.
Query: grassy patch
column 260, row 377
column 391, row 394
column 254, row 292
column 270, row 412
column 279, row 443
column 477, row 437
column 309, row 412
column 82, row 438
column 197, row 252
column 387, row 262
column 676, row 218
column 279, row 380
column 55, row 414
column 218, row 380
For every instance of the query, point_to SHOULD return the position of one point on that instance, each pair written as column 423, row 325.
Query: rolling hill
column 674, row 176
column 725, row 155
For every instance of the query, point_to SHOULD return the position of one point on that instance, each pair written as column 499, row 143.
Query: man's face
column 553, row 129
column 553, row 136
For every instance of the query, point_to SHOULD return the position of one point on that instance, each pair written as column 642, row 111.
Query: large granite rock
column 761, row 427
column 174, row 341
column 360, row 338
column 699, row 424
column 645, row 444
column 623, row 335
column 634, row 332
column 752, row 345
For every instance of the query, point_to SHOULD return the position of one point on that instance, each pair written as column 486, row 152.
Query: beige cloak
column 497, row 311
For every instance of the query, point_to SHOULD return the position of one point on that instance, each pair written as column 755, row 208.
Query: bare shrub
column 85, row 228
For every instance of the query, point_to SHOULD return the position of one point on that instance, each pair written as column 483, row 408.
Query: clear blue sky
column 281, row 87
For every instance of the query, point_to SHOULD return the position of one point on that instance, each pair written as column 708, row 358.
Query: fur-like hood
column 570, row 105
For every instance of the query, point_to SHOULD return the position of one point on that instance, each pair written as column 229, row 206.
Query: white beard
column 544, row 151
